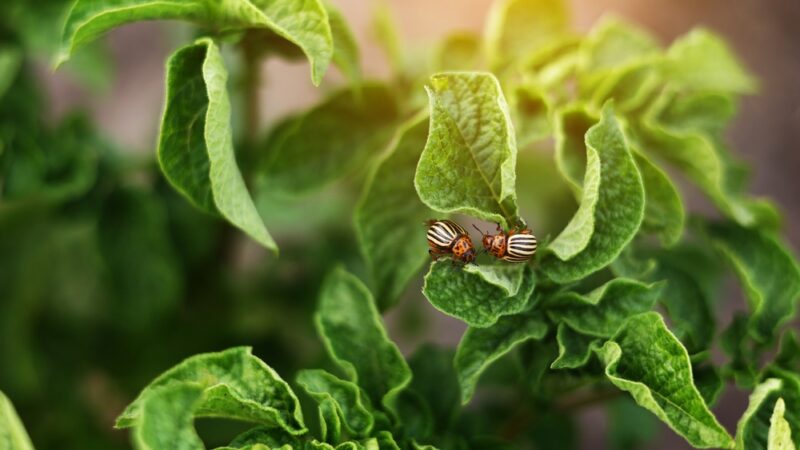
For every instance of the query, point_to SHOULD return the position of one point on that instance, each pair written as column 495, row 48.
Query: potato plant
column 589, row 139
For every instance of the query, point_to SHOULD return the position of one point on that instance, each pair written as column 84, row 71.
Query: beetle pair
column 446, row 237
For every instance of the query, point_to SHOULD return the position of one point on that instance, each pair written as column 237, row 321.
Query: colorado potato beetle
column 513, row 246
column 446, row 237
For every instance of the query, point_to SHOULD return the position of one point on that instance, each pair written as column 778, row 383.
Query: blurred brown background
column 766, row 133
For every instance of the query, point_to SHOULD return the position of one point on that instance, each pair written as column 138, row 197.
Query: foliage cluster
column 587, row 137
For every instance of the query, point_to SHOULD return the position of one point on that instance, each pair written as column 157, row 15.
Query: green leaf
column 415, row 415
column 517, row 28
column 10, row 64
column 702, row 61
column 386, row 441
column 613, row 50
column 645, row 359
column 470, row 294
column 436, row 382
column 780, row 434
column 235, row 384
column 574, row 349
column 708, row 381
column 768, row 272
column 331, row 140
column 687, row 131
column 629, row 429
column 273, row 438
column 531, row 108
column 196, row 145
column 305, row 24
column 351, row 329
column 346, row 398
column 468, row 164
column 613, row 43
column 788, row 355
column 389, row 216
column 143, row 271
column 329, row 421
column 480, row 347
column 12, row 433
column 601, row 312
column 166, row 416
column 737, row 343
column 346, row 54
column 614, row 203
column 756, row 429
column 459, row 51
column 691, row 276
column 664, row 213
column 387, row 37
column 571, row 125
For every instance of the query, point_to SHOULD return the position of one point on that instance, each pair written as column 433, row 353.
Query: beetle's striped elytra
column 446, row 237
column 512, row 246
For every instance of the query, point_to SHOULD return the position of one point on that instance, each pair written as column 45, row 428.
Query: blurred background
column 72, row 359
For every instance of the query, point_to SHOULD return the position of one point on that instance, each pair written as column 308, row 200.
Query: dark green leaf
column 788, row 355
column 708, row 381
column 647, row 360
column 738, row 344
column 331, row 140
column 329, row 421
column 601, row 312
column 144, row 273
column 389, row 217
column 469, row 161
column 196, row 144
column 435, row 380
column 611, row 210
column 768, row 272
column 629, row 429
column 303, row 23
column 346, row 398
column 480, row 347
column 351, row 329
column 574, row 349
column 690, row 276
column 478, row 295
column 234, row 384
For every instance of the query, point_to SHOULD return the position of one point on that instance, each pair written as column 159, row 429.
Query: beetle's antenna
column 479, row 230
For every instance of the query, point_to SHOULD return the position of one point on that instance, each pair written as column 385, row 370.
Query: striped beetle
column 513, row 246
column 446, row 237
